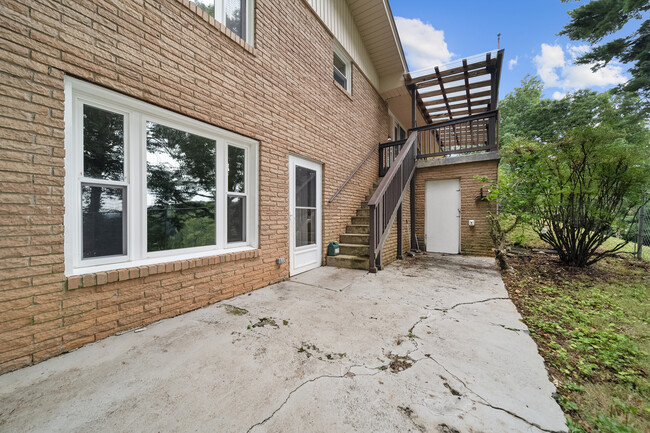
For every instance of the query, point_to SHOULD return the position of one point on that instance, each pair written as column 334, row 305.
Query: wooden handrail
column 381, row 189
column 469, row 134
column 354, row 172
column 387, row 200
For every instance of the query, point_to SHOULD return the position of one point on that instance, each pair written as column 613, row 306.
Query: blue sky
column 452, row 30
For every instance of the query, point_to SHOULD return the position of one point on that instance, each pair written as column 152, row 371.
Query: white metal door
column 442, row 216
column 305, row 246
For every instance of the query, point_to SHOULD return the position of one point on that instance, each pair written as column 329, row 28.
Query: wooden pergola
column 451, row 93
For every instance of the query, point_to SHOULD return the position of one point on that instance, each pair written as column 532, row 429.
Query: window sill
column 93, row 279
column 342, row 89
column 219, row 26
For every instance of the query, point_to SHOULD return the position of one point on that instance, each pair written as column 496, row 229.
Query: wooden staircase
column 354, row 243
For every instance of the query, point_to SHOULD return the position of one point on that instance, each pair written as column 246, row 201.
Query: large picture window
column 145, row 185
column 237, row 15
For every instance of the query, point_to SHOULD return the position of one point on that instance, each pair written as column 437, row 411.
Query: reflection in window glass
column 236, row 219
column 340, row 71
column 206, row 5
column 103, row 221
column 181, row 179
column 235, row 11
column 305, row 187
column 305, row 227
column 236, row 168
column 103, row 143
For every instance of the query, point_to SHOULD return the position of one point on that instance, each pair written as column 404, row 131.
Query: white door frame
column 444, row 236
column 306, row 257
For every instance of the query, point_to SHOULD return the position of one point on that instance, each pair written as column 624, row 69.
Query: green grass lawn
column 525, row 236
column 592, row 327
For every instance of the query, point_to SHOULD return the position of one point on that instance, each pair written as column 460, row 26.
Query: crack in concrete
column 469, row 303
column 347, row 374
column 533, row 424
column 320, row 287
column 525, row 331
column 484, row 402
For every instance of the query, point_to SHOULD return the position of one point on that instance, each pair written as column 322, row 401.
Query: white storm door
column 305, row 246
column 442, row 216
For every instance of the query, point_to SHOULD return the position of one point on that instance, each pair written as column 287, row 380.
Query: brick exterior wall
column 280, row 92
column 473, row 240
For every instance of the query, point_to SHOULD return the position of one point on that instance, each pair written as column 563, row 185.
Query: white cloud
column 513, row 62
column 557, row 71
column 424, row 46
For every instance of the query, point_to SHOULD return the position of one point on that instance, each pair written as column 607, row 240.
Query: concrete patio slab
column 430, row 344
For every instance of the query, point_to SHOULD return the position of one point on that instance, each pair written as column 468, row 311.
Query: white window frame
column 136, row 114
column 249, row 23
column 339, row 52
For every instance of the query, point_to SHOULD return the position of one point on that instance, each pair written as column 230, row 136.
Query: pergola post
column 414, row 124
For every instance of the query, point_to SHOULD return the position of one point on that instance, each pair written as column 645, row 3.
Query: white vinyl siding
column 338, row 19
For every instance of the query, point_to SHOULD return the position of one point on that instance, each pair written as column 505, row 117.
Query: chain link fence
column 640, row 232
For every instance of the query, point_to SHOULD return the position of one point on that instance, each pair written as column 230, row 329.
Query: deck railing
column 387, row 154
column 387, row 200
column 475, row 133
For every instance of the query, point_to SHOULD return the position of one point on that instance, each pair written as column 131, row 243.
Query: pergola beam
column 475, row 95
column 458, row 106
column 475, row 85
column 452, row 71
column 451, row 78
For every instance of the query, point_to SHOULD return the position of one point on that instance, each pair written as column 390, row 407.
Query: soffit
column 375, row 23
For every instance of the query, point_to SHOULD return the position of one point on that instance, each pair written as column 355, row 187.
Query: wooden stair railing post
column 386, row 202
column 399, row 233
column 372, row 266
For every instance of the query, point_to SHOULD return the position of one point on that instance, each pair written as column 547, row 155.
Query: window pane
column 206, row 5
column 103, row 141
column 236, row 168
column 236, row 219
column 305, row 187
column 235, row 16
column 305, row 227
column 340, row 65
column 102, row 221
column 181, row 179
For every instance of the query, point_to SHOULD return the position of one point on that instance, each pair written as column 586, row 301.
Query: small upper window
column 237, row 15
column 342, row 68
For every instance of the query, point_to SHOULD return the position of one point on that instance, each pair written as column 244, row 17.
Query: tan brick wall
column 473, row 240
column 280, row 92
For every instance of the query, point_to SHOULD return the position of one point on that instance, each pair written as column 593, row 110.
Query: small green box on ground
column 333, row 249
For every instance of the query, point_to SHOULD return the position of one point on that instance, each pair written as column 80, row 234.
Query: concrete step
column 354, row 250
column 360, row 220
column 363, row 212
column 349, row 262
column 354, row 238
column 358, row 229
column 364, row 205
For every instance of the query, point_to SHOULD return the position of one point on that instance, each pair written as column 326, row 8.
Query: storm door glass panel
column 236, row 194
column 305, row 206
column 103, row 143
column 103, row 221
column 235, row 11
column 181, row 189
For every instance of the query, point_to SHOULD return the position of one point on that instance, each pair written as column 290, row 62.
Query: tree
column 594, row 21
column 574, row 168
